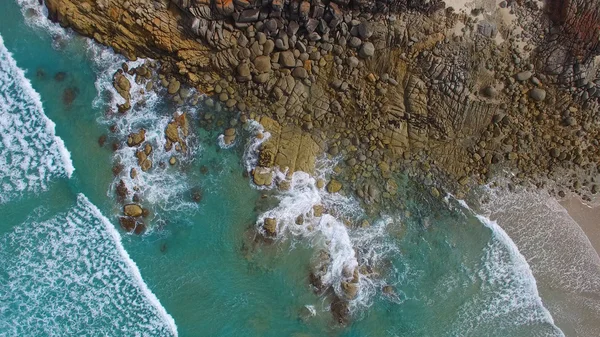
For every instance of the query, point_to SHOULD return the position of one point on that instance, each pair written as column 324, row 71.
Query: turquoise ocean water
column 67, row 269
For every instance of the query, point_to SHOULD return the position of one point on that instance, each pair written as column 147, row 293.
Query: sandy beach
column 587, row 217
column 560, row 241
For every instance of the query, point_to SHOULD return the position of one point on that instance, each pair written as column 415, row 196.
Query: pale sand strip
column 587, row 217
column 564, row 262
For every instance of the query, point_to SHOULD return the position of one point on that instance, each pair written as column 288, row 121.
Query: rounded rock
column 262, row 64
column 537, row 94
column 367, row 50
column 132, row 210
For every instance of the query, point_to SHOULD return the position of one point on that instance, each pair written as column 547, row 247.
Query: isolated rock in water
column 350, row 290
column 334, row 186
column 122, row 191
column 122, row 85
column 136, row 139
column 172, row 133
column 318, row 210
column 229, row 136
column 132, row 210
column 143, row 161
column 388, row 289
column 132, row 225
column 262, row 176
column 270, row 226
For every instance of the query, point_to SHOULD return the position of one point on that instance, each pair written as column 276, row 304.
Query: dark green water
column 452, row 274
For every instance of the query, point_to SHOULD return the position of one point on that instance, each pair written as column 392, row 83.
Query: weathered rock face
column 146, row 29
column 378, row 89
column 289, row 148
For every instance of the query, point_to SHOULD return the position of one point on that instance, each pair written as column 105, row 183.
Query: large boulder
column 122, row 85
column 243, row 72
column 262, row 176
column 286, row 59
column 350, row 290
column 262, row 64
column 334, row 186
column 270, row 226
column 364, row 30
column 172, row 133
column 224, row 7
column 136, row 139
column 133, row 210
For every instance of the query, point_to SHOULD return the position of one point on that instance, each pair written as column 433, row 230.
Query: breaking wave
column 70, row 275
column 162, row 186
column 559, row 253
column 344, row 252
column 509, row 295
column 30, row 152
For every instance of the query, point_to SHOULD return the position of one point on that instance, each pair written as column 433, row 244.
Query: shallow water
column 452, row 273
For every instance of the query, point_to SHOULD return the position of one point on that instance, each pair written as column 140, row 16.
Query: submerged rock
column 132, row 225
column 340, row 311
column 60, row 76
column 69, row 95
column 121, row 191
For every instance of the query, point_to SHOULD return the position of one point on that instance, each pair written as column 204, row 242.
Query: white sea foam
column 36, row 15
column 327, row 232
column 70, row 275
column 509, row 294
column 163, row 187
column 30, row 152
column 253, row 145
column 559, row 253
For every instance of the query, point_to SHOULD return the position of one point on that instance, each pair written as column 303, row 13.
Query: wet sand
column 560, row 242
column 587, row 217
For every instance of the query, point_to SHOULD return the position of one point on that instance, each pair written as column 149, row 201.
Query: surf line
column 133, row 268
column 499, row 234
column 32, row 102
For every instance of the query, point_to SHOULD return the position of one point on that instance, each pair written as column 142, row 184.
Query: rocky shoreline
column 385, row 87
column 457, row 99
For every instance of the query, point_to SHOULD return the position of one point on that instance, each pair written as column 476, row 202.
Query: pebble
column 524, row 76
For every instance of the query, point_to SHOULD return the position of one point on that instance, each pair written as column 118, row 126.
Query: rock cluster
column 385, row 89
